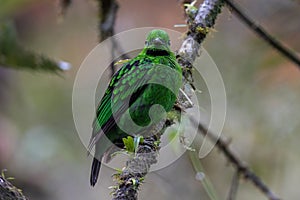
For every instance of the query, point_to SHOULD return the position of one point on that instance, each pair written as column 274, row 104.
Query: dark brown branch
column 63, row 6
column 222, row 145
column 289, row 54
column 107, row 17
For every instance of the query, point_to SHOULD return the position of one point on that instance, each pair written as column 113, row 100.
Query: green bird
column 153, row 77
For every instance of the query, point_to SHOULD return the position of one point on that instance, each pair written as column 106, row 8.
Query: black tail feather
column 95, row 171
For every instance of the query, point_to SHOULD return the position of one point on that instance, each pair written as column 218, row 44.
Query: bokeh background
column 40, row 147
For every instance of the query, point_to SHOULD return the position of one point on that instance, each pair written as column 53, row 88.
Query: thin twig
column 107, row 17
column 289, row 54
column 234, row 159
column 234, row 186
column 63, row 6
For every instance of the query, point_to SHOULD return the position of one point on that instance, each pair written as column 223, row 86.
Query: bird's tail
column 95, row 171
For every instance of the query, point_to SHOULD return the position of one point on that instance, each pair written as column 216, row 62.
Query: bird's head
column 158, row 39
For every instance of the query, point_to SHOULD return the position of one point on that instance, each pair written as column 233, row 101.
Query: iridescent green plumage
column 153, row 77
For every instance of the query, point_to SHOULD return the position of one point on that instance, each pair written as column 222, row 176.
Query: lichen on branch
column 8, row 191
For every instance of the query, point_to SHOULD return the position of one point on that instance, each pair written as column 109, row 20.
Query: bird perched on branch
column 128, row 106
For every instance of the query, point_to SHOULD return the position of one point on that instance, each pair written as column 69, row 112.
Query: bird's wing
column 126, row 85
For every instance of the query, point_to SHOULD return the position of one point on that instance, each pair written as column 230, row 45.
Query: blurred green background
column 40, row 147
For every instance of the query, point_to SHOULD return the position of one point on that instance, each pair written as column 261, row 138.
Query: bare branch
column 289, row 54
column 63, row 6
column 107, row 18
column 240, row 166
column 15, row 56
column 234, row 186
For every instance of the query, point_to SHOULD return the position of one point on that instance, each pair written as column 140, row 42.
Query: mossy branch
column 8, row 191
column 133, row 175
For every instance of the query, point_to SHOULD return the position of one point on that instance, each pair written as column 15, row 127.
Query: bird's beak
column 158, row 42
